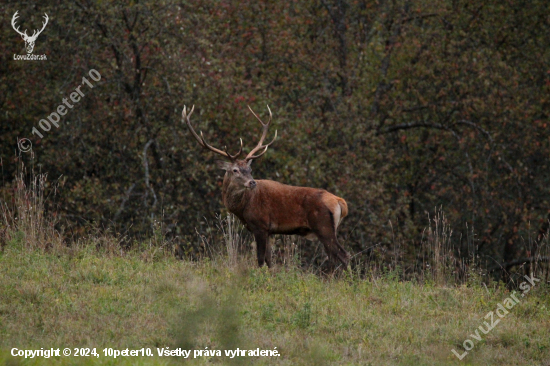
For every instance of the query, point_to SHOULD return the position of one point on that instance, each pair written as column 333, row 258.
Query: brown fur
column 274, row 208
column 266, row 207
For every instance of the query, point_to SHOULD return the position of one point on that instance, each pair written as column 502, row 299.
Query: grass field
column 89, row 298
column 89, row 294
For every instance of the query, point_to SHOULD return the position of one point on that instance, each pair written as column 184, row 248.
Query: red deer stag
column 266, row 207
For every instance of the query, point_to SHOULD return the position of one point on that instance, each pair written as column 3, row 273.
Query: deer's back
column 280, row 208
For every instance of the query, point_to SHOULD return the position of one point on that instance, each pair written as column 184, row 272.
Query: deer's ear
column 225, row 165
column 249, row 163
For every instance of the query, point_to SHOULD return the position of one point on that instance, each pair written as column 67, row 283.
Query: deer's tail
column 343, row 210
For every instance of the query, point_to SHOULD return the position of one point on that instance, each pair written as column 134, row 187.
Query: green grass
column 82, row 297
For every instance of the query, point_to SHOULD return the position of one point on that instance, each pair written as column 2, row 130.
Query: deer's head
column 237, row 170
column 29, row 40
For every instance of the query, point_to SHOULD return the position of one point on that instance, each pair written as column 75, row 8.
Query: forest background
column 404, row 108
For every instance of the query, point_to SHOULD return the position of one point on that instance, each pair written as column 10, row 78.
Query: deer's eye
column 235, row 170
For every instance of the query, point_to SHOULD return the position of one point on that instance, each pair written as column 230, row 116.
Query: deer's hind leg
column 334, row 250
column 326, row 232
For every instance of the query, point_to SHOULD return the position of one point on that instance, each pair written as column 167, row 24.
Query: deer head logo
column 29, row 40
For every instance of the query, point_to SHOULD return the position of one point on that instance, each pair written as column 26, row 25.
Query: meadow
column 95, row 293
column 95, row 296
column 430, row 118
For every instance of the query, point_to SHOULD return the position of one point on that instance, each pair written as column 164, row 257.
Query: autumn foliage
column 400, row 107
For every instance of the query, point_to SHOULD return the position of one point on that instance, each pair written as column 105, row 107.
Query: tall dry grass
column 23, row 211
column 439, row 259
column 234, row 238
column 26, row 222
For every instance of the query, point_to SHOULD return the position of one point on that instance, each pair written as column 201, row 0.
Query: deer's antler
column 203, row 142
column 258, row 147
column 36, row 33
column 15, row 16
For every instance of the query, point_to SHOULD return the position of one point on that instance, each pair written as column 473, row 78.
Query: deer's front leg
column 268, row 252
column 262, row 238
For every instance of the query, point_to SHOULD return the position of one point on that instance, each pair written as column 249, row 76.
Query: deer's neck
column 235, row 197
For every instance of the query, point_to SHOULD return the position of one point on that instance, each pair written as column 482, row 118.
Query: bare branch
column 518, row 262
column 407, row 126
